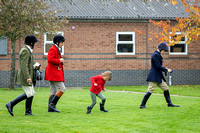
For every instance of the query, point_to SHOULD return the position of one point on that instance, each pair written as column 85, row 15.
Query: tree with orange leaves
column 189, row 27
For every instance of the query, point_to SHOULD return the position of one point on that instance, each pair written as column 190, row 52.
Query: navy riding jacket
column 155, row 73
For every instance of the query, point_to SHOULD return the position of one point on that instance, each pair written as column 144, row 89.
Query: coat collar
column 57, row 47
column 29, row 48
column 159, row 53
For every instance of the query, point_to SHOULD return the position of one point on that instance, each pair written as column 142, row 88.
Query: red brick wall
column 91, row 38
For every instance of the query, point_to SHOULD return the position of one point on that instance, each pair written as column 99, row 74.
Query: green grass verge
column 124, row 115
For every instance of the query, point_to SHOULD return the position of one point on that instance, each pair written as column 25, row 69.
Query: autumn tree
column 189, row 27
column 24, row 17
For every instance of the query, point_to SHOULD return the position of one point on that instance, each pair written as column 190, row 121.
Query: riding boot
column 11, row 104
column 102, row 107
column 145, row 98
column 28, row 106
column 50, row 99
column 89, row 109
column 168, row 100
column 52, row 105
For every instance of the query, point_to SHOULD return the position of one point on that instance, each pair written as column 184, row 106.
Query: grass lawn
column 124, row 115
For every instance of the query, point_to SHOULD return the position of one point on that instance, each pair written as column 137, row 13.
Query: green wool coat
column 26, row 69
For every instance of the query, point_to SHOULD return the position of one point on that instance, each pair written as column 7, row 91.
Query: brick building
column 101, row 36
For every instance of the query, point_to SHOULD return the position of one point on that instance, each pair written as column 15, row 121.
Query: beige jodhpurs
column 54, row 85
column 152, row 86
column 29, row 90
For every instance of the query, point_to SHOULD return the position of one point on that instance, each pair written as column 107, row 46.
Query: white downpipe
column 170, row 80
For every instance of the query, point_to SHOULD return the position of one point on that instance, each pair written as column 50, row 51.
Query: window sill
column 125, row 56
column 63, row 56
column 45, row 56
column 178, row 56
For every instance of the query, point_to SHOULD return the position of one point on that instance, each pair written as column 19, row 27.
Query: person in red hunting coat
column 54, row 73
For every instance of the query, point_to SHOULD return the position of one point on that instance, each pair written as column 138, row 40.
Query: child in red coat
column 96, row 88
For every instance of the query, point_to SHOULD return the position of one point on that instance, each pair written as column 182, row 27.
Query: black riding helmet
column 163, row 46
column 58, row 39
column 31, row 40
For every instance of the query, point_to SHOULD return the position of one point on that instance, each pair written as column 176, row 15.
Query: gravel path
column 79, row 88
column 153, row 93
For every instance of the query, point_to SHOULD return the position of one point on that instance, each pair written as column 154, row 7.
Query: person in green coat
column 25, row 76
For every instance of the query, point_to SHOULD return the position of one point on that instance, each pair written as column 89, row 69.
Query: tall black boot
column 102, row 107
column 145, row 98
column 168, row 100
column 52, row 105
column 11, row 104
column 28, row 106
column 50, row 99
column 89, row 109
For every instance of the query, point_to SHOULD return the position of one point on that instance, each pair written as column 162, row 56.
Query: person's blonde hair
column 107, row 75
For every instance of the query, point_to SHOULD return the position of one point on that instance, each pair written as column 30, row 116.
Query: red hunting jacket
column 54, row 69
column 100, row 84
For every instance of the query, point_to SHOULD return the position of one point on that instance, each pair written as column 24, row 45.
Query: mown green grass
column 124, row 115
column 183, row 90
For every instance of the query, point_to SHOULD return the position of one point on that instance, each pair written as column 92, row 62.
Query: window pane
column 126, row 37
column 48, row 46
column 125, row 48
column 182, row 38
column 177, row 48
column 50, row 36
column 175, row 36
column 3, row 46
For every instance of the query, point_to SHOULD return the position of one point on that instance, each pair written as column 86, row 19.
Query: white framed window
column 179, row 48
column 48, row 41
column 125, row 43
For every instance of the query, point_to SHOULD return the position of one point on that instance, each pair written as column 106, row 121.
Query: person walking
column 156, row 77
column 25, row 76
column 54, row 73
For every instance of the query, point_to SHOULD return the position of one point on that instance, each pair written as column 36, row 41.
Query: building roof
column 111, row 9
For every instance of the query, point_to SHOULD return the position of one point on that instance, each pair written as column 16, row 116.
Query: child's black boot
column 102, row 107
column 89, row 109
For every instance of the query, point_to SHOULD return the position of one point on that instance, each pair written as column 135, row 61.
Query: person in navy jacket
column 156, row 77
